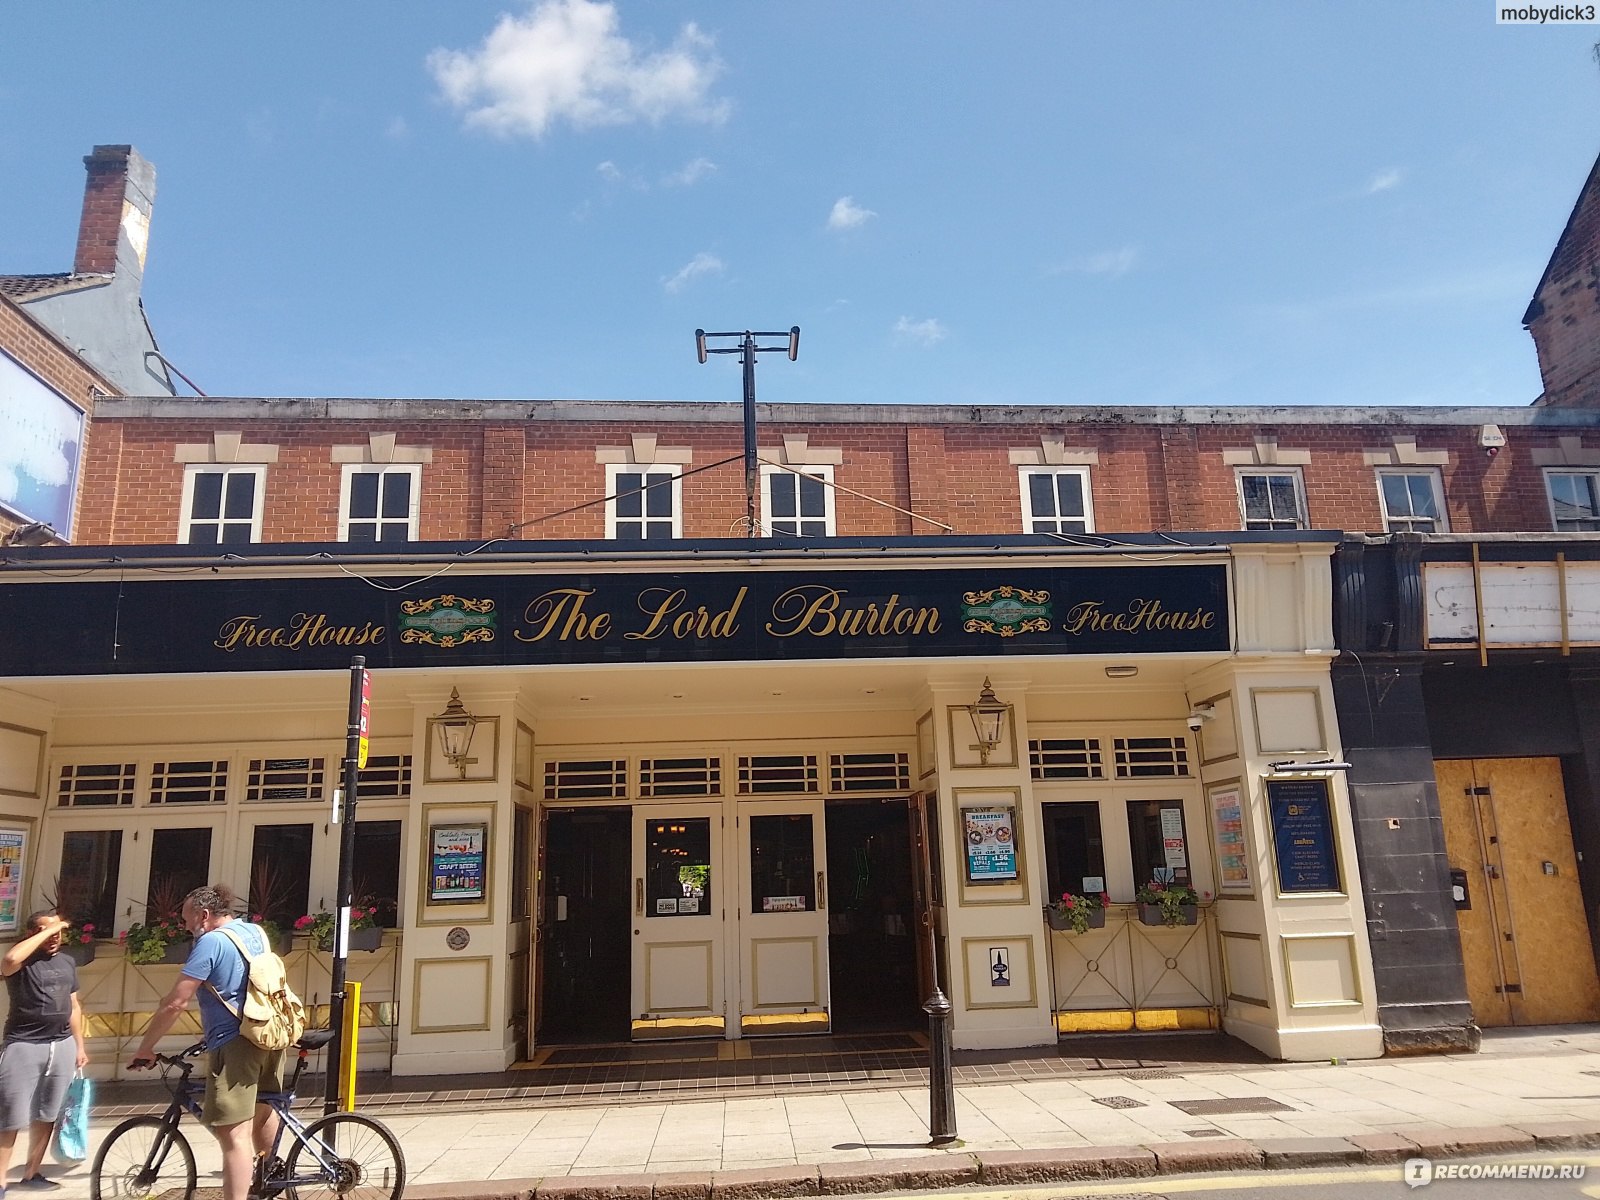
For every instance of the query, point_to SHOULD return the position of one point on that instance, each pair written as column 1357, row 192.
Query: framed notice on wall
column 1233, row 854
column 1302, row 835
column 13, row 853
column 991, row 840
column 457, row 861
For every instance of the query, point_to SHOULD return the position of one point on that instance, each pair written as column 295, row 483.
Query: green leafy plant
column 1171, row 898
column 147, row 941
column 1072, row 911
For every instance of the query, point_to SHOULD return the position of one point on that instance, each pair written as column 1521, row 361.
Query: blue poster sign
column 991, row 844
column 1302, row 835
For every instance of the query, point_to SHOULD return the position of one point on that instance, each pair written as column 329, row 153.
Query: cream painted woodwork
column 783, row 947
column 678, row 968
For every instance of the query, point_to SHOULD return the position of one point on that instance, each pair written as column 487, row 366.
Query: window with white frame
column 797, row 501
column 1413, row 501
column 1574, row 499
column 221, row 505
column 644, row 503
column 1272, row 499
column 1056, row 500
column 379, row 503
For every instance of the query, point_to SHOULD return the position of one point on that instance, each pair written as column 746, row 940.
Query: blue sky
column 999, row 203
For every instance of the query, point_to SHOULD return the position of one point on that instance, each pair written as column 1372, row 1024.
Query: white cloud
column 1113, row 264
column 700, row 264
column 1383, row 181
column 398, row 130
column 927, row 332
column 847, row 214
column 609, row 171
column 690, row 173
column 566, row 60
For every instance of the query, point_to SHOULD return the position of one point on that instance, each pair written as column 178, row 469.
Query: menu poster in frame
column 991, row 838
column 1233, row 855
column 457, row 862
column 13, row 852
column 1302, row 835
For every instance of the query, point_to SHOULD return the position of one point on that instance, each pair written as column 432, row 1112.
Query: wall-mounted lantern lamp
column 456, row 725
column 988, row 713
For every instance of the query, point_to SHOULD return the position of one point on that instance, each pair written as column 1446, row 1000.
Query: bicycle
column 344, row 1155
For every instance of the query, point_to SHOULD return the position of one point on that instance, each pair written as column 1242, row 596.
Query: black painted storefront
column 1400, row 707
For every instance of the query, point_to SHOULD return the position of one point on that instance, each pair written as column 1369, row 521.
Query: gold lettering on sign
column 818, row 611
column 303, row 629
column 660, row 605
column 560, row 612
column 1141, row 616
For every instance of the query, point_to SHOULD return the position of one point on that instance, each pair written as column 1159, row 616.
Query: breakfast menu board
column 991, row 844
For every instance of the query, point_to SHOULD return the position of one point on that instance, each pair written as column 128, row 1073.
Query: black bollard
column 941, row 1075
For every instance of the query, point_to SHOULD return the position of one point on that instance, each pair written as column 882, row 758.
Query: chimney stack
column 115, row 227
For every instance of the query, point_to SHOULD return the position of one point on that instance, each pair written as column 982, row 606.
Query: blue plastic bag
column 70, row 1146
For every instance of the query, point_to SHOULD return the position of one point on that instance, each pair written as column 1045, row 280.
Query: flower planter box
column 1063, row 921
column 360, row 939
column 177, row 952
column 1150, row 914
column 82, row 955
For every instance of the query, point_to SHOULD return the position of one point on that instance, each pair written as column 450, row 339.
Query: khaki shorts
column 234, row 1075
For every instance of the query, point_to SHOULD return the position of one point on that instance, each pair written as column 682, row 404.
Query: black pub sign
column 234, row 624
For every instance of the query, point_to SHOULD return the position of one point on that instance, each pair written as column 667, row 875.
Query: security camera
column 1199, row 715
column 1195, row 720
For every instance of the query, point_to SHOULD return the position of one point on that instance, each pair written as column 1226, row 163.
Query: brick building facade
column 1219, row 648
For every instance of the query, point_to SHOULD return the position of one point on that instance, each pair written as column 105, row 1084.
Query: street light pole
column 355, row 754
column 747, row 349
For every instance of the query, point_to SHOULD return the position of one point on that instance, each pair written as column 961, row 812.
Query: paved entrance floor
column 457, row 1132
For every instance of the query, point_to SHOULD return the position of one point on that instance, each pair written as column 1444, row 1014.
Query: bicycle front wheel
column 141, row 1159
column 356, row 1158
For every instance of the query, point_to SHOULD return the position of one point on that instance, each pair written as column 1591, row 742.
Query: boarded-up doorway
column 1524, row 935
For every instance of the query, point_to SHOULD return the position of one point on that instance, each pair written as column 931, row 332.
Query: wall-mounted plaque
column 1302, row 835
column 13, row 853
column 457, row 857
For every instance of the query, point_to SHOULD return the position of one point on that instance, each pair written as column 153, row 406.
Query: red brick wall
column 38, row 350
column 485, row 480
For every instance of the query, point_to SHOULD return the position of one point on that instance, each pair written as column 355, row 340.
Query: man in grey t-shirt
column 43, row 1043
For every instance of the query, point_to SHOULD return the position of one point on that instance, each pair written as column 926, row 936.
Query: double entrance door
column 1524, row 935
column 712, row 919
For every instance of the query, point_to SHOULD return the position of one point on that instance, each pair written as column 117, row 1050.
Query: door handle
column 638, row 897
column 822, row 891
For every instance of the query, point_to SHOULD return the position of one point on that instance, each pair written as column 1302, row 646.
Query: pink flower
column 1105, row 899
column 304, row 922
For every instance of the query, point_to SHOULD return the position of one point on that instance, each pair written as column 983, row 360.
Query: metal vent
column 779, row 774
column 90, row 784
column 285, row 779
column 201, row 781
column 1151, row 757
column 385, row 777
column 1066, row 758
column 869, row 772
column 679, row 777
column 591, row 779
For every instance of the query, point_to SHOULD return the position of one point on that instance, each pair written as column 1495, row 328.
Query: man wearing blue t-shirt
column 237, row 1069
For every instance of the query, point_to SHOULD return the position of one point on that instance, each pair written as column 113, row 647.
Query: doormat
column 1230, row 1104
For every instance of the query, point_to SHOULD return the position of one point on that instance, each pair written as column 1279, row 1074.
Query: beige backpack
column 271, row 1016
